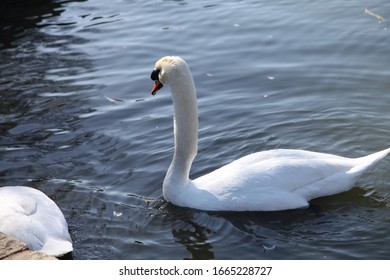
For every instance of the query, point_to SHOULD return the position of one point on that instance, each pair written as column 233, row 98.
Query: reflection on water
column 195, row 241
column 38, row 113
column 193, row 236
column 77, row 120
column 20, row 18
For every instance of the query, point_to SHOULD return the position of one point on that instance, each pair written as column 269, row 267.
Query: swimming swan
column 30, row 216
column 264, row 181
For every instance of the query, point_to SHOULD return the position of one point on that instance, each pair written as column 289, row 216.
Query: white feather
column 30, row 216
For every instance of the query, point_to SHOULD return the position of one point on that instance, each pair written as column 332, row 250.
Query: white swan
column 30, row 216
column 265, row 181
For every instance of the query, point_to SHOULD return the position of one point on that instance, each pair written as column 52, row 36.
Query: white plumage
column 265, row 181
column 30, row 216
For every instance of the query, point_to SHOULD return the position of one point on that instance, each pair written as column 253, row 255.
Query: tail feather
column 366, row 162
column 57, row 247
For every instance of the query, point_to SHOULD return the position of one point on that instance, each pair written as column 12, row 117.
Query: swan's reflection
column 266, row 232
column 189, row 232
column 195, row 240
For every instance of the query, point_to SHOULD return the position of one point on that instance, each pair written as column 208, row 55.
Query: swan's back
column 33, row 218
column 278, row 180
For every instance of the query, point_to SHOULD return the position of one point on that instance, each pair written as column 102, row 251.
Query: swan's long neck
column 185, row 130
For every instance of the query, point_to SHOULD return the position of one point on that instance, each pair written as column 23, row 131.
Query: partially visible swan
column 30, row 216
column 265, row 181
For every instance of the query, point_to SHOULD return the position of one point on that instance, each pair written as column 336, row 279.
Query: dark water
column 77, row 120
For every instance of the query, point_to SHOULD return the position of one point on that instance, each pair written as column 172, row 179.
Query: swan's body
column 265, row 181
column 30, row 216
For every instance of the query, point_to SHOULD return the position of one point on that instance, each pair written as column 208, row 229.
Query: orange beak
column 156, row 87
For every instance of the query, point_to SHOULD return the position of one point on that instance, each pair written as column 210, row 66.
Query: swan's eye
column 155, row 73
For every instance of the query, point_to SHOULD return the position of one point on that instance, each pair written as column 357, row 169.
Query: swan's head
column 166, row 70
